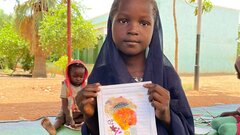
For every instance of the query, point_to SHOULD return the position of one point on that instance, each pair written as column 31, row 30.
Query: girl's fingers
column 89, row 109
column 156, row 104
column 88, row 106
column 156, row 88
column 150, row 98
column 157, row 101
column 149, row 85
column 152, row 87
column 88, row 94
column 92, row 87
column 158, row 97
column 88, row 100
column 91, row 90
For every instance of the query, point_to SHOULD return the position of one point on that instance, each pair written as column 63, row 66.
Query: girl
column 132, row 52
column 70, row 115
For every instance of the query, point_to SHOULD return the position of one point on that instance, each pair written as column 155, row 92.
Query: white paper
column 125, row 109
column 202, row 131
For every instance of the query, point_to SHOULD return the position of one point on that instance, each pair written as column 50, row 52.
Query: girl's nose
column 79, row 78
column 132, row 29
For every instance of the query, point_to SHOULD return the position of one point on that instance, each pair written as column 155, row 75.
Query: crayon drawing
column 121, row 114
column 124, row 109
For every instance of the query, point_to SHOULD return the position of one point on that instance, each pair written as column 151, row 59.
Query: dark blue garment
column 110, row 69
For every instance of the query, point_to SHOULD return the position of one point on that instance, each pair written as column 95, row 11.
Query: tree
column 207, row 6
column 13, row 47
column 53, row 30
column 176, row 35
column 28, row 17
column 4, row 19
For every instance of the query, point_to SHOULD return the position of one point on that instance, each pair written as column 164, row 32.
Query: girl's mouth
column 131, row 42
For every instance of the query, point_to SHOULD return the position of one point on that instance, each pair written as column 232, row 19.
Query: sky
column 99, row 7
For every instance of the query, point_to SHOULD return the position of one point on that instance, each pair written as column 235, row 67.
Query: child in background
column 132, row 52
column 70, row 115
column 237, row 67
column 229, row 122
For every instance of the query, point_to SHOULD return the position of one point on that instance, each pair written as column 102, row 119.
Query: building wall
column 218, row 38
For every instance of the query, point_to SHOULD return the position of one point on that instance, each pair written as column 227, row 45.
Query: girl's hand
column 160, row 100
column 86, row 99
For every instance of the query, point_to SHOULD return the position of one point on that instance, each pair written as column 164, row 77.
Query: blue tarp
column 31, row 128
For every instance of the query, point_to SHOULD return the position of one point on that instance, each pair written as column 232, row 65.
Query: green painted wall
column 218, row 37
column 89, row 55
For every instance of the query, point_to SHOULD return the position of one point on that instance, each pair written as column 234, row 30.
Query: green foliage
column 62, row 63
column 206, row 6
column 4, row 19
column 32, row 9
column 53, row 30
column 7, row 70
column 2, row 63
column 27, row 62
column 13, row 47
column 53, row 57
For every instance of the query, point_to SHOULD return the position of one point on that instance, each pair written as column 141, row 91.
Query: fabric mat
column 31, row 128
column 204, row 115
column 202, row 119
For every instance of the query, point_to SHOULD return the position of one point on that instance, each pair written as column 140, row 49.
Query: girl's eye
column 145, row 23
column 123, row 20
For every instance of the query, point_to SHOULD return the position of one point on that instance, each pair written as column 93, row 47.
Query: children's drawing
column 121, row 114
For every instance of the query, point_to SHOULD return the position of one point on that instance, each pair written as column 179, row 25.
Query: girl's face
column 132, row 26
column 76, row 75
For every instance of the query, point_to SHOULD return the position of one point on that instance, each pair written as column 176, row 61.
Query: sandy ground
column 30, row 98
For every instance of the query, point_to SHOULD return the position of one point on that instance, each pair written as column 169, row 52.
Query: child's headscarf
column 68, row 83
column 110, row 69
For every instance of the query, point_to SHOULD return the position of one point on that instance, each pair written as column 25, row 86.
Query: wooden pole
column 69, row 38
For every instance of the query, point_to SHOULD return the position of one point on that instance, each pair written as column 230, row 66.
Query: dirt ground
column 31, row 98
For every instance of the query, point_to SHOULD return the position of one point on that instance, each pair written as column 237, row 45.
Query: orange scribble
column 125, row 117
